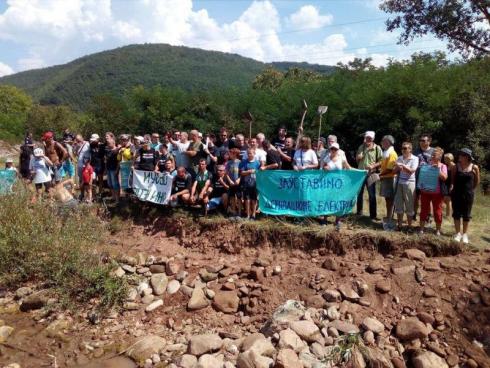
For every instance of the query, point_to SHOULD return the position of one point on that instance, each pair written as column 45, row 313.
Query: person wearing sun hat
column 369, row 156
column 465, row 177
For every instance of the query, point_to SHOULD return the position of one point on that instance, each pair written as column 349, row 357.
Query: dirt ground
column 450, row 283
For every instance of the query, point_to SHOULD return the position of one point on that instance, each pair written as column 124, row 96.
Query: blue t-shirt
column 245, row 165
column 233, row 169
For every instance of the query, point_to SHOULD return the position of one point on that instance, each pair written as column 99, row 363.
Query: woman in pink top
column 437, row 197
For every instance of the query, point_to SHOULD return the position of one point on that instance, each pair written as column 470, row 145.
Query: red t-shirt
column 87, row 173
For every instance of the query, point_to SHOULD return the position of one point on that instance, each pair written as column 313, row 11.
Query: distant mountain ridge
column 114, row 71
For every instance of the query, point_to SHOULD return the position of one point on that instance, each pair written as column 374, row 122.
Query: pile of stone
column 300, row 337
column 225, row 287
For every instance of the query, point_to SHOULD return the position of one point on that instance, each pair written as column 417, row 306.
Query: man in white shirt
column 260, row 154
column 179, row 150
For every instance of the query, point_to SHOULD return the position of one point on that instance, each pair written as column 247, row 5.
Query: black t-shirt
column 218, row 188
column 111, row 161
column 97, row 153
column 285, row 164
column 161, row 159
column 273, row 157
column 279, row 142
column 147, row 159
column 179, row 184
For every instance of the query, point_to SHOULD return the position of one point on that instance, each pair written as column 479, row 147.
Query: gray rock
column 251, row 359
column 147, row 299
column 288, row 339
column 202, row 344
column 333, row 313
column 258, row 343
column 307, row 330
column 128, row 269
column 372, row 324
column 145, row 348
column 173, row 286
column 198, row 300
column 186, row 361
column 411, row 329
column 207, row 276
column 332, row 296
column 209, row 361
column 5, row 332
column 159, row 282
column 428, row 359
column 22, row 292
column 348, row 293
column 154, row 305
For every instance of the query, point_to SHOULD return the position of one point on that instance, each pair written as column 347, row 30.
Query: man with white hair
column 179, row 147
column 369, row 156
column 195, row 152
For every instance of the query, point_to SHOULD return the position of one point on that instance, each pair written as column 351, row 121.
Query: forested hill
column 117, row 70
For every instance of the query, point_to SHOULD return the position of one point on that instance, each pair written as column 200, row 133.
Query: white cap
column 9, row 161
column 369, row 134
column 335, row 145
column 94, row 137
column 139, row 138
column 38, row 152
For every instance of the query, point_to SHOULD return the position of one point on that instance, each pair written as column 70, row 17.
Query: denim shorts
column 113, row 179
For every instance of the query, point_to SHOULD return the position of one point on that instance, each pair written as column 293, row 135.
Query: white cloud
column 31, row 62
column 330, row 51
column 308, row 17
column 126, row 31
column 5, row 69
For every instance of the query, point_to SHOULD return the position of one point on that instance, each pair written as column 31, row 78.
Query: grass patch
column 42, row 244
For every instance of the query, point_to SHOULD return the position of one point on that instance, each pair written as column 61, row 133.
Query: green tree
column 14, row 108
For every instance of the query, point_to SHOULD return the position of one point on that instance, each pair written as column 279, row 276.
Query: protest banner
column 7, row 180
column 428, row 178
column 310, row 192
column 125, row 172
column 152, row 186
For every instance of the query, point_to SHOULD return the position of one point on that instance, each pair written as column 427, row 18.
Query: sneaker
column 421, row 232
column 458, row 237
column 465, row 239
column 438, row 233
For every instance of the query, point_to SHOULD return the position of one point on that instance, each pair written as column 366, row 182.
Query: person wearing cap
column 387, row 175
column 334, row 161
column 97, row 151
column 406, row 165
column 40, row 171
column 331, row 139
column 369, row 156
column 465, row 178
column 56, row 153
column 280, row 141
column 9, row 165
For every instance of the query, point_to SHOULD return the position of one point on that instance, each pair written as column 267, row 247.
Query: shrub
column 40, row 243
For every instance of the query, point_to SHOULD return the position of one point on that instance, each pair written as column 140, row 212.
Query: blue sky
column 40, row 33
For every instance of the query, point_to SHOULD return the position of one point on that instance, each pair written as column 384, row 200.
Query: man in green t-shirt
column 369, row 156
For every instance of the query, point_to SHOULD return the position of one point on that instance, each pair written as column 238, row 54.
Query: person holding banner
column 405, row 167
column 335, row 161
column 248, row 170
column 368, row 158
column 465, row 177
column 431, row 179
column 304, row 157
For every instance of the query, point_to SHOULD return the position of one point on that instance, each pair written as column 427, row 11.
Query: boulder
column 198, row 300
column 159, row 282
column 202, row 344
column 415, row 254
column 288, row 339
column 5, row 332
column 383, row 286
column 332, row 296
column 209, row 361
column 348, row 293
column 428, row 359
column 372, row 324
column 287, row 358
column 330, row 264
column 251, row 359
column 186, row 361
column 226, row 301
column 411, row 329
column 307, row 330
column 258, row 343
column 144, row 348
column 173, row 286
column 402, row 267
column 344, row 326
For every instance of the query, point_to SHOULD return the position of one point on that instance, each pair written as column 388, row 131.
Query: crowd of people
column 220, row 171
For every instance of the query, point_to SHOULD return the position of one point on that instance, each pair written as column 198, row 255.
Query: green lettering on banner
column 309, row 192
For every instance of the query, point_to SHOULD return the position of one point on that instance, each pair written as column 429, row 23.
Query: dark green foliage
column 115, row 71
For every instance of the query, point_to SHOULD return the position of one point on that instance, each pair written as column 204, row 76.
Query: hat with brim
column 9, row 161
column 467, row 152
column 94, row 137
column 38, row 152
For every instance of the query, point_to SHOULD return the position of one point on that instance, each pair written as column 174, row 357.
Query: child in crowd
column 40, row 168
column 9, row 165
column 87, row 180
column 248, row 169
